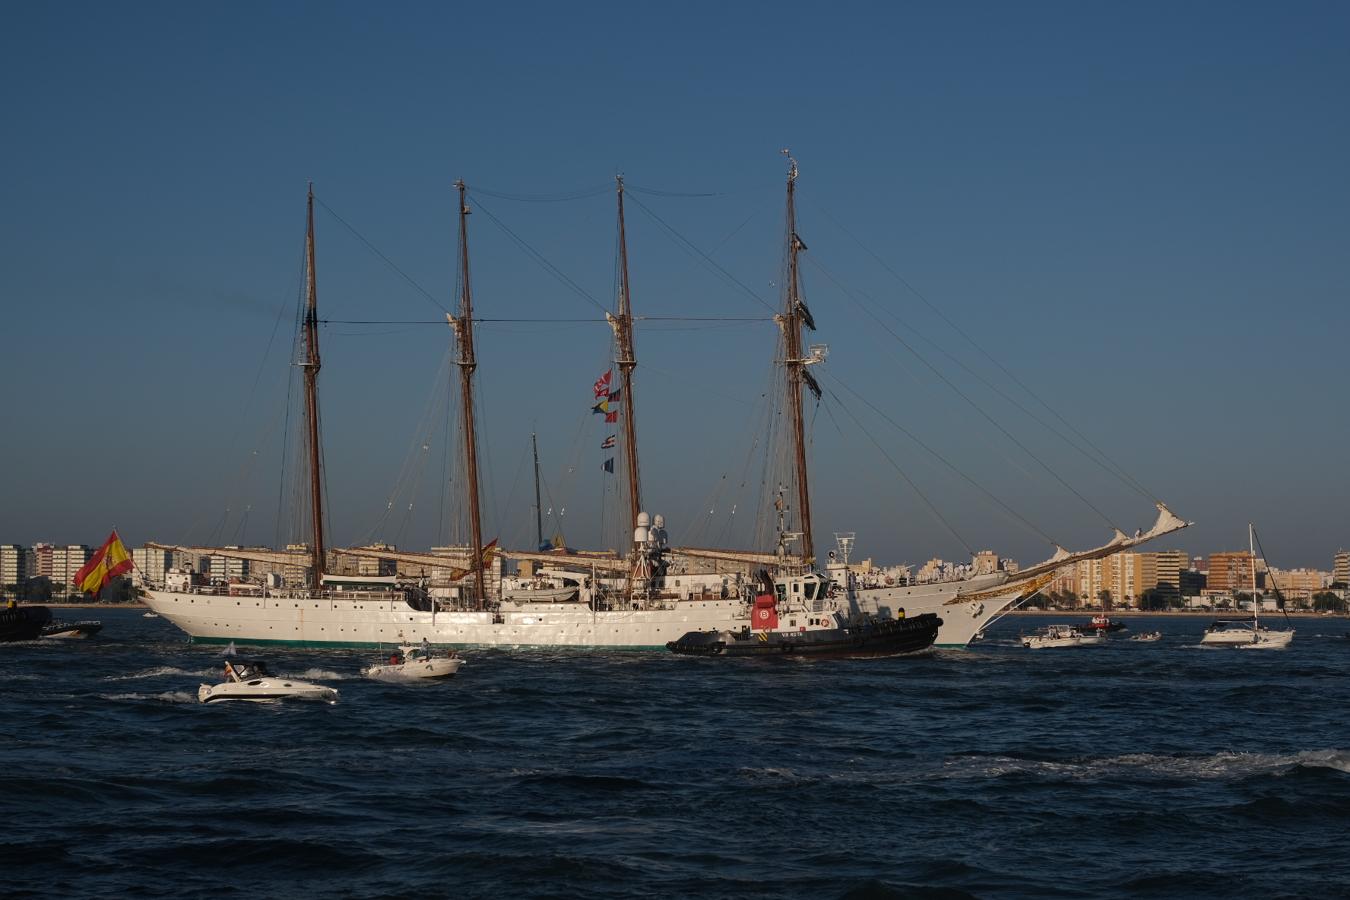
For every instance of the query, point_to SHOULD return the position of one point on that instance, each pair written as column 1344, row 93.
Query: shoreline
column 1201, row 613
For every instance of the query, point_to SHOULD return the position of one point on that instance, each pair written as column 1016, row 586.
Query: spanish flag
column 109, row 561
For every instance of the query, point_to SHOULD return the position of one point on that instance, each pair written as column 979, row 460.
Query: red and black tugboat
column 1103, row 624
column 797, row 616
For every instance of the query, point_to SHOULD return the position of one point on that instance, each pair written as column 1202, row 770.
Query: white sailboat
column 1248, row 634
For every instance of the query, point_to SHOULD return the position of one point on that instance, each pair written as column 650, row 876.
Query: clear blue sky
column 1139, row 209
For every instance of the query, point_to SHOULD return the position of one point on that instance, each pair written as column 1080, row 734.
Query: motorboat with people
column 250, row 680
column 1103, row 624
column 72, row 631
column 414, row 663
column 1147, row 636
column 1061, row 636
column 23, row 623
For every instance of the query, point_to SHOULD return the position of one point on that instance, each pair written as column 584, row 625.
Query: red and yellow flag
column 109, row 561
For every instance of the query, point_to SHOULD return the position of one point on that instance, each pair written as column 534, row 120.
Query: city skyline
column 1154, row 248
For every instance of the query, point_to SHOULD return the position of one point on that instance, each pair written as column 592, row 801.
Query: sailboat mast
column 538, row 508
column 791, row 322
column 463, row 327
column 627, row 360
column 1251, row 545
column 311, row 369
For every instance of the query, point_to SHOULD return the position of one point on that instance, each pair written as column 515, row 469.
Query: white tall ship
column 652, row 594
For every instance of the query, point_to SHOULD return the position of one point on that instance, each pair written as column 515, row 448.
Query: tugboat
column 796, row 617
column 1103, row 624
column 22, row 623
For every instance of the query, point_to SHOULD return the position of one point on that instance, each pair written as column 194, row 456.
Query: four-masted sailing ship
column 639, row 599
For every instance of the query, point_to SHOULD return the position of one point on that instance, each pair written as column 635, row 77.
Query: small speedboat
column 72, row 631
column 412, row 663
column 1061, row 636
column 1147, row 636
column 250, row 680
column 149, row 615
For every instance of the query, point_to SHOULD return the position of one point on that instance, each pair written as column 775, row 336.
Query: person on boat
column 901, row 613
column 426, row 648
column 394, row 659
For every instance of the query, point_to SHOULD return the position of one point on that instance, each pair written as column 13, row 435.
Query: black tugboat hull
column 884, row 638
column 23, row 623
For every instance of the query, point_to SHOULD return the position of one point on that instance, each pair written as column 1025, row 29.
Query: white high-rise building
column 66, row 561
column 13, row 570
column 153, row 563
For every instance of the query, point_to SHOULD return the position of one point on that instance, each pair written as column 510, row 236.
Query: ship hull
column 961, row 618
column 315, row 622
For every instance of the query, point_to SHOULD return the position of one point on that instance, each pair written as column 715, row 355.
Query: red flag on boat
column 602, row 384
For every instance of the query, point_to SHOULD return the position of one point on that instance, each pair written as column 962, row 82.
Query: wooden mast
column 627, row 361
column 311, row 369
column 463, row 327
column 538, row 509
column 791, row 323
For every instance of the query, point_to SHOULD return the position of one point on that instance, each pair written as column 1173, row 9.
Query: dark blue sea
column 1130, row 770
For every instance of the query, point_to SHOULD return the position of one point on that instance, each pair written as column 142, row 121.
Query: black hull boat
column 885, row 637
column 23, row 623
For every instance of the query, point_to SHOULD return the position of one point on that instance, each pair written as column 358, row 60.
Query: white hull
column 316, row 622
column 265, row 690
column 1243, row 637
column 417, row 670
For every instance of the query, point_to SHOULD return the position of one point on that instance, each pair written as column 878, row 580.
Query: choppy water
column 1128, row 770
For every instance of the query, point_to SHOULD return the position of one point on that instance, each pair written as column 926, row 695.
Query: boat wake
column 161, row 697
column 160, row 671
column 1226, row 765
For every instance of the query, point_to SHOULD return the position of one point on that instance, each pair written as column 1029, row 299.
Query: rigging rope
column 389, row 262
column 539, row 258
column 1115, row 468
column 964, row 396
column 940, row 458
column 690, row 247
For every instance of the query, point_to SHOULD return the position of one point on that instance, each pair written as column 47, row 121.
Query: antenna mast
column 311, row 369
column 463, row 328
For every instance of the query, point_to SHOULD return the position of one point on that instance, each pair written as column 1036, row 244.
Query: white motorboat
column 251, row 681
column 149, row 615
column 412, row 663
column 1147, row 636
column 1060, row 636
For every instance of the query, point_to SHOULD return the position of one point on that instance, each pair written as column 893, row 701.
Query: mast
column 311, row 369
column 538, row 509
column 791, row 323
column 627, row 361
column 1256, row 604
column 463, row 327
